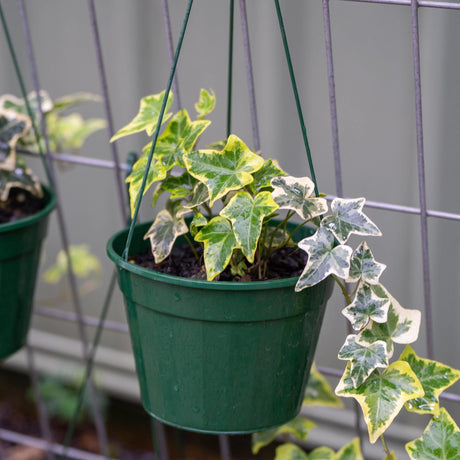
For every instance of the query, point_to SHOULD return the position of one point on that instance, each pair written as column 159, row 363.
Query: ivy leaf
column 224, row 171
column 351, row 451
column 219, row 243
column 402, row 325
column 199, row 196
column 434, row 377
column 20, row 177
column 440, row 440
column 178, row 186
column 246, row 215
column 364, row 265
column 198, row 221
column 263, row 177
column 364, row 358
column 382, row 395
column 18, row 105
column 319, row 392
column 324, row 259
column 300, row 427
column 12, row 127
column 70, row 100
column 347, row 218
column 365, row 307
column 294, row 193
column 147, row 117
column 163, row 233
column 206, row 103
column 290, row 452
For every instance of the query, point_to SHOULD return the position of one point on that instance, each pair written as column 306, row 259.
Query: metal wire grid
column 45, row 442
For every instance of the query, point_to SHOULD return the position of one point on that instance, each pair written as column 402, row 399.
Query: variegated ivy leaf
column 402, row 325
column 200, row 194
column 351, row 451
column 300, row 427
column 246, row 215
column 263, row 177
column 347, row 218
column 164, row 232
column 363, row 265
column 156, row 172
column 20, row 177
column 319, row 392
column 219, row 243
column 18, row 105
column 365, row 307
column 324, row 259
column 364, row 358
column 197, row 222
column 434, row 377
column 147, row 117
column 222, row 172
column 290, row 452
column 440, row 440
column 12, row 127
column 294, row 193
column 206, row 103
column 178, row 186
column 72, row 100
column 382, row 395
column 179, row 137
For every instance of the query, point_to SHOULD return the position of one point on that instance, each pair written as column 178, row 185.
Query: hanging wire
column 230, row 67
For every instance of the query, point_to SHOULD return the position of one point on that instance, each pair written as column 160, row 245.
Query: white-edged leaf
column 200, row 194
column 319, row 392
column 263, row 177
column 363, row 265
column 352, row 451
column 197, row 222
column 206, row 103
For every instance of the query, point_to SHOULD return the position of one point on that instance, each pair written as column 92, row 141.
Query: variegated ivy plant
column 65, row 133
column 232, row 194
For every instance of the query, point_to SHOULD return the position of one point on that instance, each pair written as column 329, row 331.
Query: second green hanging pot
column 218, row 357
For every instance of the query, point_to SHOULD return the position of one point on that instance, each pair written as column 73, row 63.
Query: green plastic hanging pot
column 20, row 246
column 218, row 357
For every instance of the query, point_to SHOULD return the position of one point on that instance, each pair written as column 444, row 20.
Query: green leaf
column 246, row 215
column 219, row 243
column 364, row 265
column 224, row 171
column 365, row 307
column 300, row 427
column 324, row 259
column 440, row 440
column 351, row 451
column 319, row 392
column 206, row 103
column 198, row 221
column 263, row 177
column 290, row 452
column 391, row 457
column 364, row 358
column 294, row 193
column 434, row 377
column 200, row 194
column 72, row 100
column 20, row 177
column 12, row 127
column 347, row 218
column 147, row 117
column 164, row 232
column 382, row 395
column 179, row 186
column 18, row 105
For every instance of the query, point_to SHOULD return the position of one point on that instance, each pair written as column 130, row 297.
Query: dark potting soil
column 285, row 263
column 20, row 204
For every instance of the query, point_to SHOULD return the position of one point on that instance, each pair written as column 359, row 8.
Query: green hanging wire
column 230, row 68
column 296, row 95
column 157, row 131
column 24, row 95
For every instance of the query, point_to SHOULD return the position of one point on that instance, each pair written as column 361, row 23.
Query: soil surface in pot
column 285, row 263
column 20, row 204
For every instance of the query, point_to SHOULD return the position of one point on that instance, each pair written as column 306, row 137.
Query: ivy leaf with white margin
column 246, row 215
column 347, row 218
column 364, row 358
column 364, row 265
column 324, row 259
column 300, row 427
column 294, row 193
column 440, row 440
column 199, row 196
column 382, row 395
column 178, row 186
column 290, row 451
column 147, row 117
column 402, row 325
column 164, row 231
column 263, row 177
column 352, row 451
column 197, row 222
column 12, row 127
column 434, row 377
column 365, row 307
column 319, row 392
column 224, row 171
column 219, row 243
column 206, row 103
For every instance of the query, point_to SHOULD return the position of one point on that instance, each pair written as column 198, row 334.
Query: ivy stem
column 343, row 288
column 192, row 247
column 385, row 447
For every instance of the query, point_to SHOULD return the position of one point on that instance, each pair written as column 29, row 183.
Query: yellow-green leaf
column 434, row 377
column 351, row 451
column 440, row 440
column 382, row 395
column 290, row 452
column 206, row 103
column 319, row 392
column 263, row 177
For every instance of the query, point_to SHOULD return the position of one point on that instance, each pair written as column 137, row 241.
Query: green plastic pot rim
column 50, row 199
column 193, row 283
